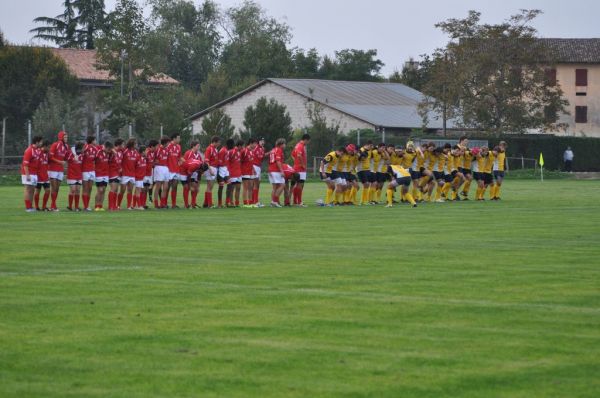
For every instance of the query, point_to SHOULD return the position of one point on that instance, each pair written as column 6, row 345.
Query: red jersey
column 58, row 151
column 223, row 157
column 130, row 158
column 276, row 155
column 74, row 166
column 140, row 168
column 114, row 164
column 89, row 158
column 174, row 155
column 161, row 157
column 259, row 155
column 247, row 156
column 43, row 169
column 235, row 163
column 150, row 157
column 299, row 156
column 211, row 156
column 102, row 164
column 288, row 171
column 189, row 155
column 191, row 165
column 31, row 159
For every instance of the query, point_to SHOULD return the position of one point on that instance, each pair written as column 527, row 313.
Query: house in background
column 577, row 71
column 389, row 107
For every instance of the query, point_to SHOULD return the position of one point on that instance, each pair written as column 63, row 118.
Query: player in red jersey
column 149, row 177
column 43, row 178
column 88, row 168
column 259, row 156
column 139, row 198
column 235, row 175
column 291, row 177
column 223, row 169
column 276, row 177
column 190, row 182
column 74, row 175
column 174, row 161
column 130, row 159
column 161, row 174
column 102, row 170
column 248, row 174
column 29, row 171
column 300, row 165
column 56, row 166
column 211, row 157
column 115, row 162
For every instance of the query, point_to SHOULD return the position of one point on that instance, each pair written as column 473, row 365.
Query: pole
column 522, row 162
column 3, row 140
column 29, row 132
column 358, row 138
column 98, row 134
column 130, row 131
column 542, row 171
column 121, row 73
column 383, row 135
column 161, row 130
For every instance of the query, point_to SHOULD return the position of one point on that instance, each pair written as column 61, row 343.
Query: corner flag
column 541, row 160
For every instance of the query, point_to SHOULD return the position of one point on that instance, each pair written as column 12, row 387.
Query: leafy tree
column 324, row 134
column 27, row 73
column 357, row 65
column 91, row 19
column 62, row 29
column 268, row 119
column 217, row 123
column 306, row 65
column 257, row 44
column 493, row 77
column 415, row 74
column 58, row 111
column 186, row 38
column 2, row 41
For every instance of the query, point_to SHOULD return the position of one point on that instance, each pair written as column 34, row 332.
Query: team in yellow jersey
column 448, row 171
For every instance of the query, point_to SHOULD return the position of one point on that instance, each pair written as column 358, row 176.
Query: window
column 581, row 94
column 581, row 77
column 581, row 114
column 551, row 77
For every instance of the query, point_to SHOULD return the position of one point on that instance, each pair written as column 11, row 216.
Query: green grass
column 456, row 299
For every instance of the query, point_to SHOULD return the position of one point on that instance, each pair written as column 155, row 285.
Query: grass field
column 446, row 300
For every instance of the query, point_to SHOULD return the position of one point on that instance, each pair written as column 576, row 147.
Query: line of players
column 447, row 171
column 154, row 172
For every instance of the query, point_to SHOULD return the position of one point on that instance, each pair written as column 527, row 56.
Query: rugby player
column 300, row 165
column 223, row 169
column 328, row 172
column 248, row 172
column 43, row 179
column 400, row 177
column 129, row 170
column 161, row 174
column 74, row 175
column 363, row 167
column 29, row 171
column 102, row 173
column 211, row 157
column 259, row 156
column 88, row 168
column 56, row 166
column 498, row 170
column 235, row 174
column 191, row 181
column 139, row 197
column 173, row 161
column 276, row 174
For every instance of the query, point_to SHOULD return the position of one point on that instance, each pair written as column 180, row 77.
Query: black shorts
column 351, row 177
column 415, row 175
column 364, row 176
column 487, row 178
column 448, row 177
column 422, row 170
column 184, row 183
column 465, row 171
column 115, row 180
column 101, row 184
column 477, row 176
column 498, row 174
column 438, row 175
column 403, row 181
column 327, row 176
column 382, row 177
column 41, row 185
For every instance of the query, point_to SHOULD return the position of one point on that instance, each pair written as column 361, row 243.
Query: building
column 577, row 71
column 352, row 105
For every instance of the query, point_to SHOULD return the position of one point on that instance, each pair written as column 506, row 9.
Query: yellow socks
column 329, row 196
column 410, row 198
column 467, row 187
column 390, row 196
column 364, row 196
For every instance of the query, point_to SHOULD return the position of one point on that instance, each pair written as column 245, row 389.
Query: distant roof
column 390, row 105
column 83, row 64
column 574, row 51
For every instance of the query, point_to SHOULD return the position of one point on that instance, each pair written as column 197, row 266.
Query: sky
column 397, row 29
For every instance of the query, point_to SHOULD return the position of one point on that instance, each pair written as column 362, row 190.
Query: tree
column 57, row 112
column 91, row 19
column 268, row 119
column 493, row 77
column 257, row 45
column 217, row 123
column 306, row 65
column 324, row 135
column 415, row 74
column 186, row 39
column 27, row 73
column 62, row 29
column 357, row 65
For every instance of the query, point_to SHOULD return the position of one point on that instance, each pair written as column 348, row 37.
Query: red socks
column 45, row 202
column 129, row 199
column 28, row 204
column 173, row 198
column 36, row 200
column 186, row 195
column 112, row 201
column 119, row 199
column 70, row 201
column 255, row 195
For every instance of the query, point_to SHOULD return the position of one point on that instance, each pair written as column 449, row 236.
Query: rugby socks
column 70, row 201
column 45, row 200
column 86, row 201
column 364, row 196
column 498, row 191
column 129, row 200
column 467, row 187
column 53, row 197
column 354, row 195
column 390, row 196
column 329, row 196
column 119, row 200
column 378, row 198
column 76, row 197
column 173, row 197
column 408, row 196
column 36, row 200
column 255, row 195
column 186, row 195
column 28, row 204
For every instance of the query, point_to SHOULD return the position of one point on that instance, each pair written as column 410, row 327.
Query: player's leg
column 54, row 188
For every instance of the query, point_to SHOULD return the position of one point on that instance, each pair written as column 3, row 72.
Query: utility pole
column 98, row 134
column 161, row 131
column 444, row 89
column 130, row 131
column 122, row 56
column 29, row 132
column 3, row 140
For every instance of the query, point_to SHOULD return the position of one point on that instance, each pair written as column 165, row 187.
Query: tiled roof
column 83, row 64
column 574, row 51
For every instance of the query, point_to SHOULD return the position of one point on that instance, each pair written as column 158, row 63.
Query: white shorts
column 88, row 176
column 182, row 177
column 210, row 174
column 33, row 180
column 73, row 182
column 173, row 176
column 102, row 179
column 148, row 180
column 257, row 171
column 195, row 177
column 235, row 179
column 223, row 172
column 139, row 184
column 276, row 177
column 126, row 180
column 161, row 173
column 252, row 177
column 302, row 175
column 56, row 175
column 340, row 181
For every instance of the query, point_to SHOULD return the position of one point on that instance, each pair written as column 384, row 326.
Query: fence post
column 3, row 140
column 29, row 132
column 130, row 131
column 358, row 138
column 383, row 135
column 98, row 134
column 522, row 162
column 161, row 131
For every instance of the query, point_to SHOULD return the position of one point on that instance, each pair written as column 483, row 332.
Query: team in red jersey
column 129, row 170
column 88, row 170
column 248, row 172
column 211, row 157
column 300, row 165
column 276, row 173
column 223, row 169
column 161, row 173
column 259, row 156
column 43, row 178
column 74, row 175
column 190, row 176
column 174, row 161
column 29, row 171
column 102, row 171
column 56, row 166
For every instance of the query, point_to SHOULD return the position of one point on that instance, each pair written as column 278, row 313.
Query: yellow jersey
column 331, row 161
column 408, row 160
column 399, row 171
column 479, row 165
column 440, row 162
column 489, row 163
column 420, row 161
column 500, row 162
column 429, row 160
column 467, row 159
column 364, row 160
column 343, row 163
column 395, row 159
